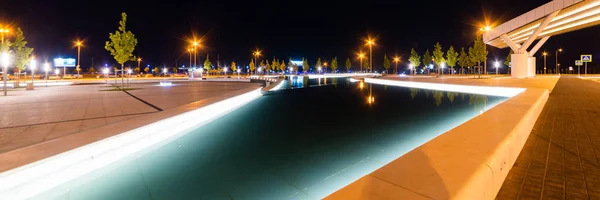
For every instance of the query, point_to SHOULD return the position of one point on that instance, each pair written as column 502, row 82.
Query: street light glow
column 47, row 67
column 497, row 64
column 32, row 64
column 5, row 60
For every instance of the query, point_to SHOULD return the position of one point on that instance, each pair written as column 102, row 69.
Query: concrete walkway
column 561, row 158
column 46, row 113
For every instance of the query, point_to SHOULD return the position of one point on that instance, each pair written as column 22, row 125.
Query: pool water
column 301, row 144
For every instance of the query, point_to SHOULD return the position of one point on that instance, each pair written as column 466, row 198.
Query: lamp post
column 195, row 44
column 139, row 61
column 485, row 29
column 442, row 68
column 545, row 54
column 396, row 60
column 78, row 43
column 238, row 71
column 32, row 63
column 410, row 67
column 2, row 32
column 319, row 68
column 105, row 74
column 129, row 71
column 558, row 64
column 165, row 71
column 370, row 42
column 497, row 64
column 225, row 70
column 5, row 62
column 46, row 68
column 361, row 56
column 325, row 65
column 256, row 55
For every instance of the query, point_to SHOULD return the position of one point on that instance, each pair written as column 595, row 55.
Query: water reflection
column 437, row 97
column 479, row 102
column 413, row 92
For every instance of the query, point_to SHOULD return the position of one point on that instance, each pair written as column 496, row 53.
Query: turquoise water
column 298, row 144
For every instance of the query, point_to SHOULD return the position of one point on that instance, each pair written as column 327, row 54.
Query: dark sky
column 298, row 29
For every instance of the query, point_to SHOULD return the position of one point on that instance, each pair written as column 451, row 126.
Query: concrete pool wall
column 470, row 161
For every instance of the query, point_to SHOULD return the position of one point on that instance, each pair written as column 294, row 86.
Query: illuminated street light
column 410, row 66
column 165, row 71
column 225, row 70
column 557, row 63
column 370, row 42
column 32, row 66
column 361, row 56
column 497, row 64
column 57, row 72
column 545, row 54
column 46, row 69
column 5, row 62
column 319, row 68
column 78, row 44
column 256, row 54
column 2, row 32
column 396, row 60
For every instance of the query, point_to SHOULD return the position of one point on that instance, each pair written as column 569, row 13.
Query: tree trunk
column 122, row 77
column 18, row 79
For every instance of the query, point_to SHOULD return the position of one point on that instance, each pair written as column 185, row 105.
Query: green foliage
column 366, row 64
column 414, row 59
column 21, row 50
column 348, row 64
column 452, row 57
column 156, row 70
column 146, row 69
column 207, row 63
column 478, row 53
column 305, row 65
column 262, row 64
column 275, row 64
column 438, row 55
column 174, row 69
column 252, row 67
column 508, row 58
column 319, row 64
column 233, row 66
column 282, row 66
column 386, row 62
column 92, row 70
column 426, row 58
column 334, row 64
column 122, row 43
column 137, row 70
column 268, row 66
column 463, row 58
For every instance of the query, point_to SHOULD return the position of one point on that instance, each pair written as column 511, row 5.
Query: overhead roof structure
column 553, row 18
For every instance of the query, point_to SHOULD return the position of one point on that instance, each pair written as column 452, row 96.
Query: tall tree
column 386, row 63
column 452, row 58
column 292, row 66
column 334, row 64
column 251, row 65
column 207, row 64
column 22, row 53
column 156, row 70
column 147, row 69
column 268, row 66
column 121, row 45
column 438, row 56
column 463, row 60
column 415, row 59
column 282, row 66
column 233, row 66
column 348, row 65
column 305, row 65
column 319, row 64
column 478, row 53
column 137, row 70
column 275, row 64
column 508, row 58
column 92, row 70
column 262, row 65
column 426, row 60
column 366, row 64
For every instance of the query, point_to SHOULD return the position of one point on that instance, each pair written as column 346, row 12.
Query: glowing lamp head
column 195, row 43
column 560, row 50
column 46, row 66
column 129, row 71
column 410, row 66
column 361, row 55
column 225, row 69
column 105, row 70
column 57, row 71
column 139, row 59
column 319, row 68
column 497, row 64
column 164, row 70
column 545, row 54
column 239, row 70
column 32, row 64
column 396, row 59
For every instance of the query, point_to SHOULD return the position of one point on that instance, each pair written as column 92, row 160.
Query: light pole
column 2, row 32
column 46, row 68
column 5, row 63
column 165, row 71
column 319, row 68
column 396, row 60
column 325, row 65
column 545, row 54
column 33, row 63
column 256, row 55
column 442, row 68
column 78, row 43
column 238, row 71
column 485, row 30
column 139, row 61
column 558, row 64
column 225, row 70
column 105, row 74
column 370, row 42
column 497, row 64
column 195, row 43
column 410, row 67
column 128, row 76
column 361, row 56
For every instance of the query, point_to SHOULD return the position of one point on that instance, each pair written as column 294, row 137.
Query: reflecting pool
column 300, row 144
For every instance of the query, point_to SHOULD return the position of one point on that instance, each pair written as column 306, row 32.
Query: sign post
column 578, row 63
column 586, row 58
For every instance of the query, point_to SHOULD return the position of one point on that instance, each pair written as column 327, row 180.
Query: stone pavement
column 560, row 159
column 46, row 113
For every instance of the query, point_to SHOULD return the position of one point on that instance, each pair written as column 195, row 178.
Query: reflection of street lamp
column 361, row 56
column 5, row 63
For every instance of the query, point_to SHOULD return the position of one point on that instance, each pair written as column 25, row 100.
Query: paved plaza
column 47, row 113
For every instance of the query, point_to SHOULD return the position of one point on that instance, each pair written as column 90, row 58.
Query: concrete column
column 519, row 65
column 531, row 66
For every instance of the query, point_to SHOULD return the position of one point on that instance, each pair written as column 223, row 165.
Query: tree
column 252, row 67
column 508, row 58
column 438, row 57
column 415, row 59
column 156, row 70
column 282, row 67
column 146, row 69
column 305, row 66
column 275, row 64
column 268, row 67
column 463, row 60
column 175, row 70
column 452, row 58
column 478, row 53
column 233, row 66
column 427, row 60
column 92, row 70
column 319, row 64
column 137, row 70
column 207, row 64
column 386, row 63
column 334, row 64
column 121, row 44
column 22, row 53
column 262, row 64
column 348, row 65
column 365, row 64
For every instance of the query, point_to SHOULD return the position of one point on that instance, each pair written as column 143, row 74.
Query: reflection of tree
column 413, row 92
column 451, row 96
column 437, row 97
column 305, row 81
column 479, row 102
column 462, row 95
column 426, row 93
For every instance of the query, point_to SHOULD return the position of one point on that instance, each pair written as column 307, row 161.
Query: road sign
column 586, row 58
column 578, row 63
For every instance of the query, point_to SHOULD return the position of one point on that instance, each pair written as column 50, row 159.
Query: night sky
column 283, row 29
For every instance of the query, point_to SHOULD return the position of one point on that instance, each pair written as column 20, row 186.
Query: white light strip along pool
column 35, row 178
column 278, row 86
column 469, row 89
column 342, row 75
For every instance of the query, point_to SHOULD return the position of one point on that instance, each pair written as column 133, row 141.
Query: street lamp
column 105, row 74
column 32, row 66
column 5, row 63
column 361, row 56
column 165, row 71
column 256, row 55
column 410, row 66
column 396, row 60
column 370, row 42
column 545, row 54
column 442, row 68
column 57, row 71
column 2, row 32
column 195, row 44
column 319, row 68
column 78, row 43
column 238, row 71
column 325, row 64
column 558, row 64
column 485, row 29
column 225, row 70
column 497, row 64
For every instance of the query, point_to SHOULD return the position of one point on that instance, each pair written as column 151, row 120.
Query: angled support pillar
column 538, row 46
column 537, row 31
column 510, row 43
